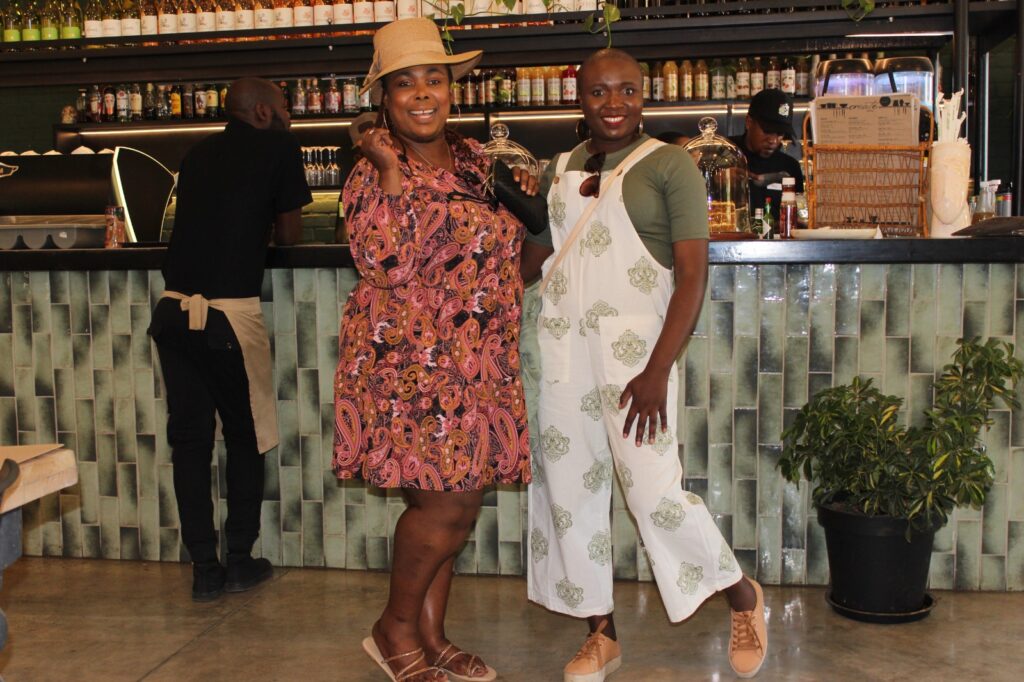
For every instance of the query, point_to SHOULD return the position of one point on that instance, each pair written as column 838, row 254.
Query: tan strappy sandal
column 371, row 648
column 445, row 658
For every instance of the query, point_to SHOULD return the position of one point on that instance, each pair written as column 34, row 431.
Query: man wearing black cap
column 769, row 119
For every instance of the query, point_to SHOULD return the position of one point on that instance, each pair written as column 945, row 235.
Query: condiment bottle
column 773, row 77
column 788, row 77
column 787, row 209
column 756, row 77
column 687, row 78
column 646, row 68
column 658, row 83
column 700, row 80
column 717, row 80
column 802, row 77
column 743, row 79
column 670, row 72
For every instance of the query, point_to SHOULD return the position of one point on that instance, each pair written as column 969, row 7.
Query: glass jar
column 511, row 154
column 725, row 177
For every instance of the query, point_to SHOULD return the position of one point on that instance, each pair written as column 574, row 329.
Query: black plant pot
column 877, row 576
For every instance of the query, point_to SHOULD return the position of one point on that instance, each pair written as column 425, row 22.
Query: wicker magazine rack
column 867, row 186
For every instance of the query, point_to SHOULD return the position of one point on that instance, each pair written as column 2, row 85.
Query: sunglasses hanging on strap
column 599, row 196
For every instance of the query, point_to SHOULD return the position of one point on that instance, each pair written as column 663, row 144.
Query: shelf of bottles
column 27, row 24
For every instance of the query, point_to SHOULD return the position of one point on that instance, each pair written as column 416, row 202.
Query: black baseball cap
column 773, row 111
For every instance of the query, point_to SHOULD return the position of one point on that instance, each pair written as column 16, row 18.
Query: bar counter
column 781, row 321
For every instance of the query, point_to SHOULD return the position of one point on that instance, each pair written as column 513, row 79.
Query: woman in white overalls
column 614, row 319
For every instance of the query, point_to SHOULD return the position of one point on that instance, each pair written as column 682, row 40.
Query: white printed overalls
column 602, row 314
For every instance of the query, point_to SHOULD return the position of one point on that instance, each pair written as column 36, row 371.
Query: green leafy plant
column 848, row 442
column 455, row 12
column 858, row 9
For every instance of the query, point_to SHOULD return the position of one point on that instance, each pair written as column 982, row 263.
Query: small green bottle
column 49, row 20
column 70, row 21
column 31, row 24
column 12, row 23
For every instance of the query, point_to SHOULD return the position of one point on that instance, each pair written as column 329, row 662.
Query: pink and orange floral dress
column 427, row 392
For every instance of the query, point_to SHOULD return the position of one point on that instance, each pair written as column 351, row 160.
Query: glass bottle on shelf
column 188, row 101
column 82, row 106
column 787, row 209
column 49, row 20
column 109, row 114
column 11, row 19
column 92, row 19
column 149, row 17
column 645, row 88
column 111, row 19
column 332, row 98
column 314, row 98
column 166, row 16
column 95, row 105
column 323, row 13
column 31, row 22
column 135, row 102
column 788, row 83
column 717, row 74
column 149, row 103
column 131, row 22
column 342, row 11
column 362, row 11
column 524, row 87
column 188, row 21
column 163, row 104
column 802, row 77
column 700, row 81
column 299, row 98
column 175, row 97
column 284, row 15
column 687, row 81
column 569, row 85
column 224, row 15
column 756, row 77
column 553, row 87
column 773, row 76
column 730, row 80
column 199, row 105
column 350, row 96
column 213, row 102
column 206, row 16
column 743, row 79
column 670, row 72
column 383, row 11
column 245, row 15
column 263, row 14
column 70, row 21
column 658, row 82
column 302, row 12
column 537, row 84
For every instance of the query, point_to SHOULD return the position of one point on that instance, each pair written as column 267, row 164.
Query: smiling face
column 611, row 98
column 417, row 101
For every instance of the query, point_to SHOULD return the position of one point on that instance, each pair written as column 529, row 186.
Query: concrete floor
column 121, row 620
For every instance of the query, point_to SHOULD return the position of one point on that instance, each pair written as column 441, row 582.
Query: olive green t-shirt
column 664, row 193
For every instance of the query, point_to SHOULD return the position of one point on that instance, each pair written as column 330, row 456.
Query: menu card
column 890, row 120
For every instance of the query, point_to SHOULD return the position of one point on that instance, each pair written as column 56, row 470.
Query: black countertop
column 981, row 250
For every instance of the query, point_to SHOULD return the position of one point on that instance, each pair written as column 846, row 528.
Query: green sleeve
column 685, row 196
column 546, row 179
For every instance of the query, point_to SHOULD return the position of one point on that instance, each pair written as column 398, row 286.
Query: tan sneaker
column 748, row 642
column 598, row 658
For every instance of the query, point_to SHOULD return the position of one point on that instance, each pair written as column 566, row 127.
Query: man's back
column 231, row 187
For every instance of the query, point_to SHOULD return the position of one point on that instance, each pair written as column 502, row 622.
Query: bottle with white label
column 342, row 11
column 227, row 20
column 362, row 12
column 187, row 16
column 323, row 13
column 302, row 13
column 743, row 79
column 111, row 20
column 773, row 76
column 756, row 77
column 535, row 7
column 284, row 17
column 788, row 77
column 263, row 14
column 383, row 11
column 166, row 17
column 206, row 16
column 131, row 21
column 149, row 18
column 717, row 73
column 480, row 8
column 407, row 9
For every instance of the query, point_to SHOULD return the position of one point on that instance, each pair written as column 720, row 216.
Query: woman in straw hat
column 427, row 394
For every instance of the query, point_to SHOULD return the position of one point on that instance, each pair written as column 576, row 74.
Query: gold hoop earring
column 384, row 119
column 640, row 128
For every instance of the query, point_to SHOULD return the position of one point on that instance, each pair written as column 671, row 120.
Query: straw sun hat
column 412, row 42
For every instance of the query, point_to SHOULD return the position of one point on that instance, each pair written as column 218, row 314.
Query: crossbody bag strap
column 589, row 211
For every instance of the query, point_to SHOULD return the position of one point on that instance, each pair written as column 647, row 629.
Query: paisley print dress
column 427, row 392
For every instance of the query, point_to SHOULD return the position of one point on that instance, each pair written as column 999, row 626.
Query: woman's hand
column 528, row 183
column 647, row 396
column 380, row 149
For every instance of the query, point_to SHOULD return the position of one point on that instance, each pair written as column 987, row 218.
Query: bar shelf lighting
column 173, row 129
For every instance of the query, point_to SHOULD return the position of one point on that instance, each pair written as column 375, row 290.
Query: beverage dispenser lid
column 711, row 151
column 901, row 64
column 832, row 67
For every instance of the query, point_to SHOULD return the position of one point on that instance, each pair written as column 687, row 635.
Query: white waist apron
column 602, row 314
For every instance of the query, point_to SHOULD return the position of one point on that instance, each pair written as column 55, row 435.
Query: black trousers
column 204, row 373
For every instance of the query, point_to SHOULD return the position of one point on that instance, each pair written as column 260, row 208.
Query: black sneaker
column 207, row 580
column 246, row 573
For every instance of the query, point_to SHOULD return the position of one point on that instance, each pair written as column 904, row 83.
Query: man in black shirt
column 769, row 120
column 235, row 188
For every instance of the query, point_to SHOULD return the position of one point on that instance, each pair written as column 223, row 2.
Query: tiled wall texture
column 77, row 367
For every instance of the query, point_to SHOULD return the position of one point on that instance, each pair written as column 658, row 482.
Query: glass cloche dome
column 513, row 155
column 725, row 176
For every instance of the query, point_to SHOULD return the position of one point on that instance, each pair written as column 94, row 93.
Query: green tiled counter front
column 77, row 367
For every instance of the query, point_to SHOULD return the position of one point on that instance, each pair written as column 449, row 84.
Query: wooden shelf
column 290, row 53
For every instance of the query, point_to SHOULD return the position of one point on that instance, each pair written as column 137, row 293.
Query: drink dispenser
column 851, row 77
column 914, row 75
column 725, row 177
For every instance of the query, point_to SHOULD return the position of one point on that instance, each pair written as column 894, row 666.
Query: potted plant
column 882, row 488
